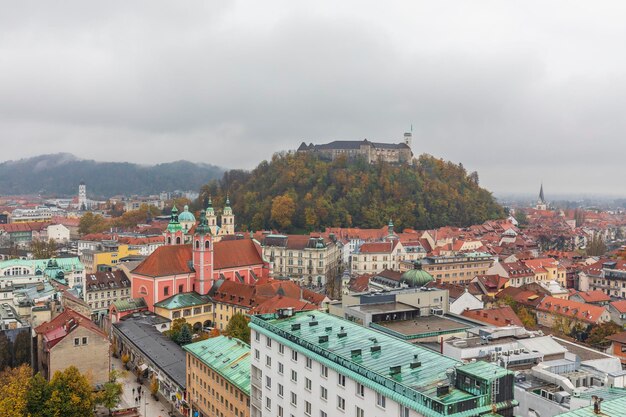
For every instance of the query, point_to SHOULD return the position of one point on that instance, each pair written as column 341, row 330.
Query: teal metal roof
column 130, row 304
column 65, row 264
column 347, row 347
column 182, row 300
column 612, row 408
column 227, row 356
column 186, row 216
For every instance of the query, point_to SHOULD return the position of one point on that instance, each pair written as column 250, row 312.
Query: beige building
column 72, row 339
column 103, row 289
column 196, row 309
column 218, row 377
column 457, row 269
column 306, row 258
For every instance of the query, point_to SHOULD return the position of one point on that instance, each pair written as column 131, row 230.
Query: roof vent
column 323, row 339
column 415, row 363
column 295, row 326
column 375, row 348
column 328, row 329
column 395, row 370
column 313, row 323
column 442, row 389
column 342, row 334
column 355, row 352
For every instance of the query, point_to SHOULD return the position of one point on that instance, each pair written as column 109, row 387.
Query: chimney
column 597, row 401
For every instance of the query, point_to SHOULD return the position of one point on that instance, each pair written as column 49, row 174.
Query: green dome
column 416, row 277
column 186, row 216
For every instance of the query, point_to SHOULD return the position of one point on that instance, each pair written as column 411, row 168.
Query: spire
column 210, row 202
column 203, row 226
column 390, row 228
column 541, row 197
column 174, row 225
column 227, row 200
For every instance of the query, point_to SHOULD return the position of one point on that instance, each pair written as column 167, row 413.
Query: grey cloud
column 521, row 93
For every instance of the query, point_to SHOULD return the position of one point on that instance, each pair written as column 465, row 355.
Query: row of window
column 97, row 295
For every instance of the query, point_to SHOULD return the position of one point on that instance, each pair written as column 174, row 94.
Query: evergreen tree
column 184, row 337
column 238, row 327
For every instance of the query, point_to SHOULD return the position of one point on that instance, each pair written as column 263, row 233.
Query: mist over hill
column 59, row 174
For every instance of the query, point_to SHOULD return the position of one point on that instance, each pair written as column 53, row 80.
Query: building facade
column 103, row 289
column 370, row 151
column 218, row 377
column 318, row 365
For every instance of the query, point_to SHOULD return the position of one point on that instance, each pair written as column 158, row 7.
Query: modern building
column 218, row 377
column 458, row 269
column 110, row 254
column 315, row 364
column 37, row 214
column 71, row 339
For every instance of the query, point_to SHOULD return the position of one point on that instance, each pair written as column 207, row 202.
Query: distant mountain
column 60, row 174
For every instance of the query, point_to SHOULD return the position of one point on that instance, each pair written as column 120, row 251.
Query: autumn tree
column 283, row 209
column 527, row 318
column 596, row 246
column 92, row 223
column 42, row 249
column 597, row 336
column 238, row 327
column 14, row 390
column 111, row 394
column 132, row 218
column 37, row 397
column 70, row 394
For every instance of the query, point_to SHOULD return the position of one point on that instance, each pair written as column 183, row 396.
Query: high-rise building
column 315, row 364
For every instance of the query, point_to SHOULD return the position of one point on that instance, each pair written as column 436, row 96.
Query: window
column 360, row 390
column 307, row 384
column 323, row 414
column 294, row 356
column 268, row 382
column 360, row 412
column 294, row 398
column 280, row 411
column 268, row 403
column 280, row 390
column 268, row 342
column 166, row 290
column 294, row 376
column 307, row 408
column 341, row 403
column 257, row 335
column 268, row 361
column 281, row 368
column 324, row 393
column 404, row 411
column 324, row 371
column 180, row 288
column 76, row 341
column 309, row 363
column 84, row 340
column 341, row 380
column 257, row 354
column 380, row 400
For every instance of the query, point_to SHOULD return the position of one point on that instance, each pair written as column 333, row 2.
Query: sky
column 522, row 92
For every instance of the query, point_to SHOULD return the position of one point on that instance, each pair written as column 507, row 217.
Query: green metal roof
column 612, row 408
column 64, row 264
column 182, row 300
column 227, row 356
column 130, row 304
column 186, row 216
column 336, row 343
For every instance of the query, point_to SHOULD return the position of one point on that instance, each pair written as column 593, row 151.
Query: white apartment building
column 317, row 365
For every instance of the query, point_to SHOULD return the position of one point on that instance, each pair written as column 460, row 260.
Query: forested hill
column 60, row 174
column 300, row 192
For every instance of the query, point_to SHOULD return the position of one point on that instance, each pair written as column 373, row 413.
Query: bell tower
column 174, row 233
column 228, row 219
column 211, row 218
column 203, row 255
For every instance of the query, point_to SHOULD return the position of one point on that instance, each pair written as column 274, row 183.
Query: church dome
column 186, row 216
column 416, row 277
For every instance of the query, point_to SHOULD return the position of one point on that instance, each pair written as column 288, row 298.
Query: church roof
column 177, row 259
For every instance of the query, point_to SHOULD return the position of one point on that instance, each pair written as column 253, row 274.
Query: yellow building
column 95, row 260
column 547, row 269
column 196, row 309
column 218, row 377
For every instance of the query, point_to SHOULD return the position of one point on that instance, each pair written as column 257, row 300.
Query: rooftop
column 227, row 356
column 182, row 300
column 609, row 408
column 383, row 363
column 423, row 327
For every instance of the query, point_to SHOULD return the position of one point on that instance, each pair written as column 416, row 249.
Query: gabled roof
column 617, row 337
column 620, row 305
column 580, row 311
column 56, row 329
column 595, row 296
column 106, row 280
column 166, row 261
column 130, row 304
column 378, row 247
column 501, row 316
column 182, row 300
column 279, row 301
column 236, row 253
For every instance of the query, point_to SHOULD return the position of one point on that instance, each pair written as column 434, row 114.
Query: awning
column 142, row 367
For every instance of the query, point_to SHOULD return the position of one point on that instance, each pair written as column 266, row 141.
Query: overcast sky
column 522, row 92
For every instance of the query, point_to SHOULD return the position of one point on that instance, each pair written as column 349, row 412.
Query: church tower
column 541, row 203
column 82, row 196
column 211, row 218
column 203, row 255
column 174, row 233
column 228, row 219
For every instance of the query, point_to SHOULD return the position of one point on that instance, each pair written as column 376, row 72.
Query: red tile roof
column 56, row 329
column 619, row 305
column 166, row 261
column 595, row 296
column 580, row 311
column 617, row 337
column 234, row 253
column 501, row 316
column 378, row 247
column 279, row 301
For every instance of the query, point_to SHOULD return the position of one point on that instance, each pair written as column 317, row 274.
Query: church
column 195, row 256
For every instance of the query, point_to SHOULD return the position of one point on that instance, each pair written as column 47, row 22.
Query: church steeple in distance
column 541, row 197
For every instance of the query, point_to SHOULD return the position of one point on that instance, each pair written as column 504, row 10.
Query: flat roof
column 383, row 307
column 425, row 325
column 377, row 360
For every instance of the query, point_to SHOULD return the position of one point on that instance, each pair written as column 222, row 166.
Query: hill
column 60, row 174
column 298, row 192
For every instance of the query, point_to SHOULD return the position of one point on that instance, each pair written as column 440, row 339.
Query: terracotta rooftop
column 279, row 301
column 580, row 311
column 501, row 316
column 595, row 296
column 56, row 329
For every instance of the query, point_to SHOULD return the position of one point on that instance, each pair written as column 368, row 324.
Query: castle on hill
column 371, row 151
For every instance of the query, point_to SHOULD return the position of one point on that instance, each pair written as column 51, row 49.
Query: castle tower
column 228, row 219
column 203, row 255
column 174, row 233
column 211, row 218
column 408, row 138
column 82, row 196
